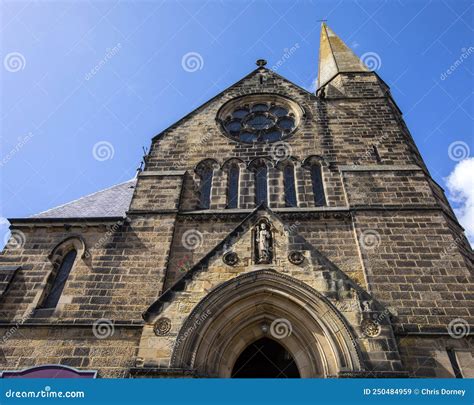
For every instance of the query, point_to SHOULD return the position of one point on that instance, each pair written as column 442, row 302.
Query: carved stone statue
column 263, row 243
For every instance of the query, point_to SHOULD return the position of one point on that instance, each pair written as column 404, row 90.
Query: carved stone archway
column 262, row 304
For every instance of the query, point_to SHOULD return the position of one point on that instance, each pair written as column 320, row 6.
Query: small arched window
column 205, row 188
column 261, row 186
column 317, row 182
column 289, row 185
column 58, row 281
column 233, row 187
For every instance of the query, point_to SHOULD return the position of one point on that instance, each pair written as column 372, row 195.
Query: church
column 272, row 232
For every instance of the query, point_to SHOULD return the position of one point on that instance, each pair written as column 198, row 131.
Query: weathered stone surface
column 386, row 246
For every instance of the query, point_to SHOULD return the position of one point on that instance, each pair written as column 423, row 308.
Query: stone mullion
column 246, row 189
column 219, row 189
column 276, row 189
column 304, row 187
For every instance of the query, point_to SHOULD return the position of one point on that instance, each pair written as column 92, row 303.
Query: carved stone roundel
column 370, row 328
column 162, row 326
column 296, row 257
column 230, row 258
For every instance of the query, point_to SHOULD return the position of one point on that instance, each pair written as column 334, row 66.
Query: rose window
column 259, row 121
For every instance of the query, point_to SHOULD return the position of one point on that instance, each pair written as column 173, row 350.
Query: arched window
column 233, row 187
column 261, row 186
column 205, row 172
column 289, row 185
column 205, row 188
column 58, row 281
column 318, row 188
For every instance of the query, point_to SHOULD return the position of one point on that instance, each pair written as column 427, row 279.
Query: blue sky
column 76, row 74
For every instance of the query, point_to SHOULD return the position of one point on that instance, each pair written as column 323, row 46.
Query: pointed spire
column 335, row 57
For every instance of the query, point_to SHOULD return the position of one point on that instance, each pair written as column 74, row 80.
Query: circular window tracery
column 251, row 119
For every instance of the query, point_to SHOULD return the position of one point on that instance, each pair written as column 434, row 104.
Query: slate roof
column 111, row 202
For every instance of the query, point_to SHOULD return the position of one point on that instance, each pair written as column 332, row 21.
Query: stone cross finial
column 261, row 62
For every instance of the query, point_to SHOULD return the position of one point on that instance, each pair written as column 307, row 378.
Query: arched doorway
column 249, row 308
column 265, row 358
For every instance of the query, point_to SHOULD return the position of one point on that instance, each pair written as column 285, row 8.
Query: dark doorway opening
column 265, row 358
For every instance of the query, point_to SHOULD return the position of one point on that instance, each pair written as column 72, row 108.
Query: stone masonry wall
column 338, row 130
column 426, row 356
column 415, row 268
column 108, row 284
column 391, row 231
column 71, row 346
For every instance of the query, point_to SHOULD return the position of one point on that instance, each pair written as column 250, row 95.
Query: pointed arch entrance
column 265, row 358
column 259, row 305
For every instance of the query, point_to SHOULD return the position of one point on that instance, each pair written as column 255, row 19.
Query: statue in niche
column 263, row 243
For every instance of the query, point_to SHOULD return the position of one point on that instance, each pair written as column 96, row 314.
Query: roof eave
column 64, row 221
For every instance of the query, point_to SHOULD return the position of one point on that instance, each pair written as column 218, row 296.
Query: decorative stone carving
column 296, row 257
column 263, row 243
column 162, row 327
column 370, row 328
column 230, row 258
column 366, row 306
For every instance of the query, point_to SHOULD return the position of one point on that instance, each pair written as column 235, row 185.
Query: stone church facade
column 272, row 232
